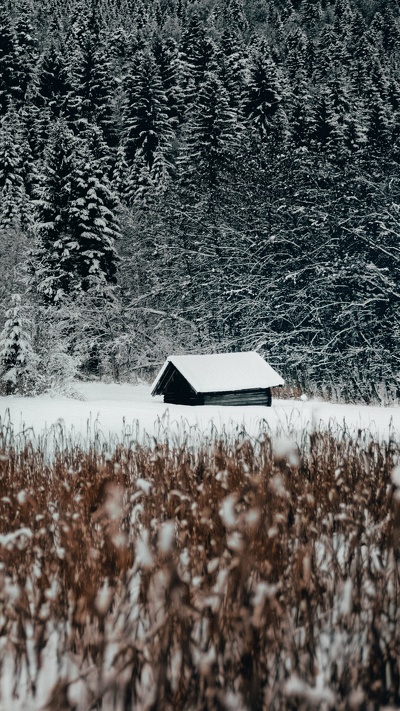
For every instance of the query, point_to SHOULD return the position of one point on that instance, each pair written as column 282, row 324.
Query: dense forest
column 182, row 176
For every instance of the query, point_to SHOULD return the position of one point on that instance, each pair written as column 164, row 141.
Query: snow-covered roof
column 221, row 372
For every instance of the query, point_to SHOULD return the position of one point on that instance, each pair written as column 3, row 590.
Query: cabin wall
column 183, row 399
column 241, row 397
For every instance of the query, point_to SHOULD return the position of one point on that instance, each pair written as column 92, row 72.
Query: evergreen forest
column 200, row 176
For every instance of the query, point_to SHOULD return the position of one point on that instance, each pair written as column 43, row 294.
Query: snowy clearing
column 123, row 413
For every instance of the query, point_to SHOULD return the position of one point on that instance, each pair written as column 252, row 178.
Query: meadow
column 246, row 573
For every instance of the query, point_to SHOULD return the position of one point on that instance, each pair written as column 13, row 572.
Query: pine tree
column 7, row 61
column 390, row 31
column 12, row 191
column 50, row 278
column 76, row 218
column 343, row 15
column 191, row 41
column 297, row 44
column 199, row 57
column 233, row 61
column 17, row 358
column 265, row 93
column 146, row 124
column 234, row 15
column 166, row 56
column 25, row 51
column 212, row 135
column 301, row 108
column 380, row 112
column 120, row 180
column 310, row 13
column 54, row 88
column 380, row 122
column 93, row 85
column 92, row 230
column 326, row 122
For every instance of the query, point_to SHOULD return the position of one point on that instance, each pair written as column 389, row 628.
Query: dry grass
column 287, row 392
column 238, row 576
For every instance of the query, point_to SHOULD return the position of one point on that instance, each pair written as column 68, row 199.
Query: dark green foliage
column 253, row 148
column 264, row 92
column 17, row 359
column 93, row 86
column 53, row 88
column 76, row 219
column 166, row 56
column 212, row 135
column 7, row 60
column 51, row 279
column 92, row 227
column 12, row 189
column 25, row 51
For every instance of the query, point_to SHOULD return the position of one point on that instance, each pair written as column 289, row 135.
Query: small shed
column 217, row 379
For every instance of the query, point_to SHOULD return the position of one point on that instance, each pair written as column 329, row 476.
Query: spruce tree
column 234, row 15
column 7, row 60
column 233, row 61
column 93, row 85
column 92, row 229
column 147, row 127
column 17, row 358
column 25, row 51
column 50, row 278
column 12, row 190
column 166, row 56
column 53, row 86
column 212, row 135
column 301, row 108
column 76, row 219
column 265, row 93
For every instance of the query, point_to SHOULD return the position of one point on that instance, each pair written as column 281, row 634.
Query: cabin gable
column 177, row 390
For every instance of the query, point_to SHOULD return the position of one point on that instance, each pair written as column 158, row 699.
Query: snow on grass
column 126, row 413
column 243, row 577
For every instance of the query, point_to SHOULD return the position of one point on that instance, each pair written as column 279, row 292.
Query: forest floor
column 121, row 413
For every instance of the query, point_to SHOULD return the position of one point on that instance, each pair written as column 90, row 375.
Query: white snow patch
column 166, row 537
column 126, row 413
column 396, row 476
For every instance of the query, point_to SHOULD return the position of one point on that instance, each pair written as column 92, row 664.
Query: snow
column 14, row 536
column 166, row 537
column 227, row 511
column 396, row 476
column 126, row 413
column 224, row 372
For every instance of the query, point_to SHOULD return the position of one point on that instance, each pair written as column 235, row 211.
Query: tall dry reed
column 241, row 575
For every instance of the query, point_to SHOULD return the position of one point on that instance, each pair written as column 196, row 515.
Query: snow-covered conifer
column 147, row 128
column 49, row 276
column 7, row 60
column 212, row 134
column 265, row 93
column 12, row 192
column 17, row 359
column 90, row 255
column 53, row 85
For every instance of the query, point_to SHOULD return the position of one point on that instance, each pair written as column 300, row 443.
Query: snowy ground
column 115, row 413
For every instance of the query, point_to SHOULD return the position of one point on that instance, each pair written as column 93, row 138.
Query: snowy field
column 124, row 413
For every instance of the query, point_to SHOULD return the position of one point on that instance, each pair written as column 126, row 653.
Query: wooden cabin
column 217, row 379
